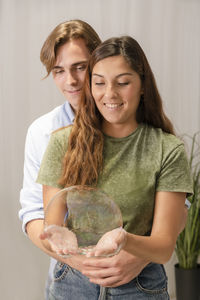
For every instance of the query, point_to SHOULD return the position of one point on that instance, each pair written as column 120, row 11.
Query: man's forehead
column 59, row 65
column 71, row 53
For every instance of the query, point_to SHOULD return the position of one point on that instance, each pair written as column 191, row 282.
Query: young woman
column 123, row 143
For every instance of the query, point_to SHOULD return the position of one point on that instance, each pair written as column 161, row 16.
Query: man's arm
column 113, row 271
column 31, row 193
column 34, row 228
column 32, row 211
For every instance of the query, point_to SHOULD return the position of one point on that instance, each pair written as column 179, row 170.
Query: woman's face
column 116, row 89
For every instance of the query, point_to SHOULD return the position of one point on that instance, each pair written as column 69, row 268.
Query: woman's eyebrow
column 124, row 74
column 95, row 74
column 119, row 75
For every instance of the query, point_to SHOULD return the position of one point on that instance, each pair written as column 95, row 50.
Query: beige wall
column 169, row 32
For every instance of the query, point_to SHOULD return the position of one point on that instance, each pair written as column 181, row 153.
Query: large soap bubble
column 78, row 219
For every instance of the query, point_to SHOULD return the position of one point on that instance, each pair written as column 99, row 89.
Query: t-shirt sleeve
column 52, row 162
column 175, row 174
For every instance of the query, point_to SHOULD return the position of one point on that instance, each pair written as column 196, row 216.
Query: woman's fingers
column 110, row 243
column 62, row 240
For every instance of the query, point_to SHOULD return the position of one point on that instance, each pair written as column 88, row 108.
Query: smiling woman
column 123, row 143
column 117, row 92
column 139, row 101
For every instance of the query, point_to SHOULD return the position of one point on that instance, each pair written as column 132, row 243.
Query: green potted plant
column 187, row 270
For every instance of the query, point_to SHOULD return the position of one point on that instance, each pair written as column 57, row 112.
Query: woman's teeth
column 112, row 105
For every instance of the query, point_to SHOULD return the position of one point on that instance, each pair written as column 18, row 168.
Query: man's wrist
column 187, row 203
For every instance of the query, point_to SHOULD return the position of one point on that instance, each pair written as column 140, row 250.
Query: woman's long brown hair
column 83, row 161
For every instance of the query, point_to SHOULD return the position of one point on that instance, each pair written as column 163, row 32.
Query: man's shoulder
column 45, row 121
column 58, row 117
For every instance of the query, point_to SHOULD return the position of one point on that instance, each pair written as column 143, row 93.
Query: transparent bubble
column 79, row 218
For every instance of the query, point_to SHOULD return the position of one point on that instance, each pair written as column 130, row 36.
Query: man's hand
column 113, row 271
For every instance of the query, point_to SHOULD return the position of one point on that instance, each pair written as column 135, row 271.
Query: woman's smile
column 113, row 106
column 116, row 92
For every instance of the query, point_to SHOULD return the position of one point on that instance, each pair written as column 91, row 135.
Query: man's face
column 69, row 70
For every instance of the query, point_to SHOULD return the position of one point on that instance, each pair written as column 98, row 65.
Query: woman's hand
column 110, row 243
column 61, row 239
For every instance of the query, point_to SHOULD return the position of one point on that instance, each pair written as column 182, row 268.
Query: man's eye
column 58, row 71
column 81, row 68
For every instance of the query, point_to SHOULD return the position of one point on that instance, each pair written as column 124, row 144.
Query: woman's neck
column 118, row 130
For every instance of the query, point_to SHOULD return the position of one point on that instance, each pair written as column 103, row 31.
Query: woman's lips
column 113, row 105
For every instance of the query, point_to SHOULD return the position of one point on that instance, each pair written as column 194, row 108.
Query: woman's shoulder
column 159, row 136
column 62, row 132
column 171, row 141
column 158, row 141
column 60, row 137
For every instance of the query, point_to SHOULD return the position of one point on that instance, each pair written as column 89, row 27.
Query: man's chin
column 74, row 103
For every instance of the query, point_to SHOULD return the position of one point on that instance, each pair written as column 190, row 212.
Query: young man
column 65, row 54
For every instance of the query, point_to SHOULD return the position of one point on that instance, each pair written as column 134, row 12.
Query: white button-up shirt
column 37, row 139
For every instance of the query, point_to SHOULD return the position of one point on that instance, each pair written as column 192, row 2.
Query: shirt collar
column 69, row 111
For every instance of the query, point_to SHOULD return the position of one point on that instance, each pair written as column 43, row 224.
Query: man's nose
column 70, row 78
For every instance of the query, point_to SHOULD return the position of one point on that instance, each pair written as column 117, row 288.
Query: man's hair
column 64, row 32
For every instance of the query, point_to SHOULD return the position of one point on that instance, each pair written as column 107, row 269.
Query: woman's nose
column 110, row 91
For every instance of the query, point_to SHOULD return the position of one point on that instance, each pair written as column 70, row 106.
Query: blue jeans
column 50, row 277
column 70, row 284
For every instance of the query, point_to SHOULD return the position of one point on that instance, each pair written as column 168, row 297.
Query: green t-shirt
column 135, row 167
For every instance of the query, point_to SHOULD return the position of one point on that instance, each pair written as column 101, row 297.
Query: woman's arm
column 168, row 220
column 75, row 261
column 61, row 240
column 48, row 193
column 169, row 215
column 35, row 227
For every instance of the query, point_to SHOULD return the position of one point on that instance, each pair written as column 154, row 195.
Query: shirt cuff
column 30, row 217
column 187, row 204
